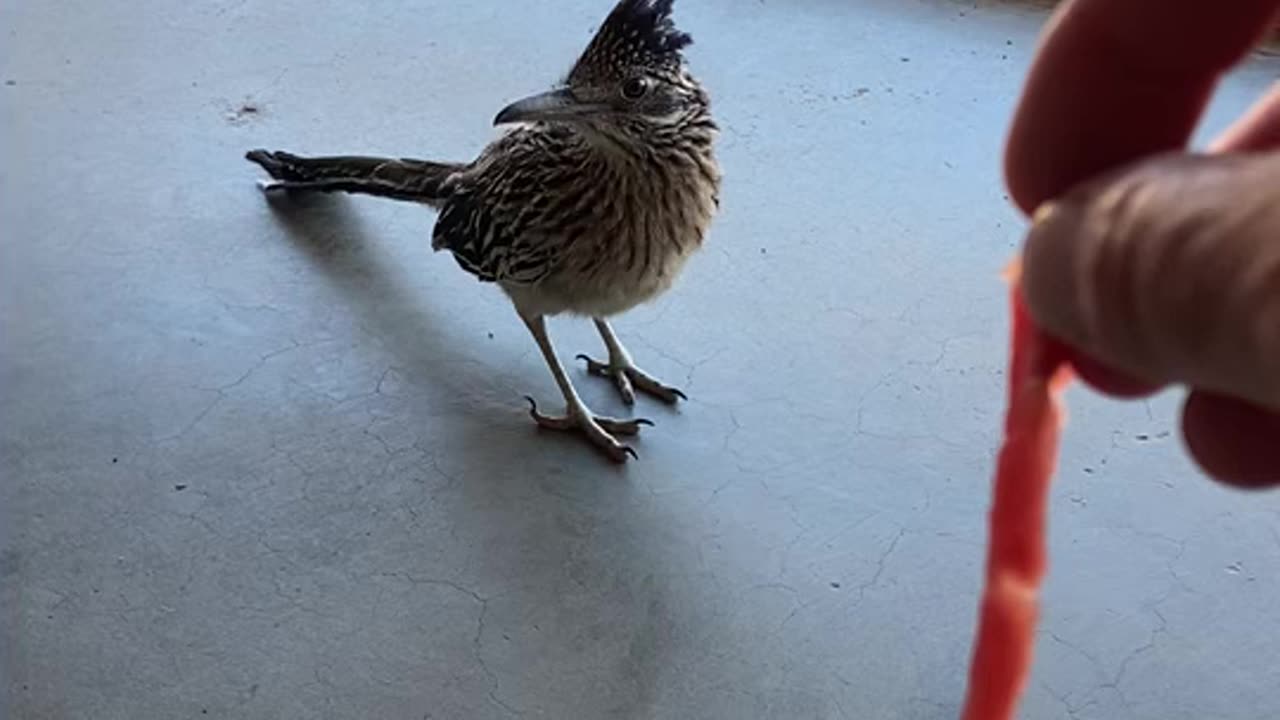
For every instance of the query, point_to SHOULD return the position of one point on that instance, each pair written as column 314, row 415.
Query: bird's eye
column 635, row 88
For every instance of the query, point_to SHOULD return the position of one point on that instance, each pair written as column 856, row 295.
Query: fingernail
column 1043, row 212
column 1048, row 280
column 1013, row 272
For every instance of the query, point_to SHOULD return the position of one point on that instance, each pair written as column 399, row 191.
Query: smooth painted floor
column 274, row 463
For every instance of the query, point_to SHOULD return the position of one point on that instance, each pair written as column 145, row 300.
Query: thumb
column 1169, row 270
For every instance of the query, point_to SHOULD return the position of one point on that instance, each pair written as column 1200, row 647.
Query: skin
column 1154, row 265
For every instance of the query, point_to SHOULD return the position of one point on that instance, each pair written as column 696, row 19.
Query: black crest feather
column 637, row 33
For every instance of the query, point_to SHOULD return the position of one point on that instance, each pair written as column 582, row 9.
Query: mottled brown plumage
column 589, row 205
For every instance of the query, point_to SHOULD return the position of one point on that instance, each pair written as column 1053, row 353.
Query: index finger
column 1117, row 80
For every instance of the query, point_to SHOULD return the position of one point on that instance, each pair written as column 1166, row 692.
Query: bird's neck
column 638, row 143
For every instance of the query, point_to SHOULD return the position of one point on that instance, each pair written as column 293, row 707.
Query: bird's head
column 632, row 76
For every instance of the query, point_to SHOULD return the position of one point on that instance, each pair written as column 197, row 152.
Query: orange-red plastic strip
column 1016, row 554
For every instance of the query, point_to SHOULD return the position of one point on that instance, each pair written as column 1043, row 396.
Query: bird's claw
column 596, row 429
column 628, row 378
column 619, row 376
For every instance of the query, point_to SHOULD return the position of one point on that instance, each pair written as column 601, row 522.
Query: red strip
column 1017, row 544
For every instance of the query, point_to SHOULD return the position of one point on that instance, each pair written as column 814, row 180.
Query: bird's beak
column 553, row 105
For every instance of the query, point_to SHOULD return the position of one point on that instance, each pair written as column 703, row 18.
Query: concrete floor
column 275, row 464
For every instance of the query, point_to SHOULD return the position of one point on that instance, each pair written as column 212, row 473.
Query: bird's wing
column 480, row 236
column 500, row 219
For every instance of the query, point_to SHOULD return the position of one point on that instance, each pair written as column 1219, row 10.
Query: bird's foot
column 599, row 431
column 626, row 375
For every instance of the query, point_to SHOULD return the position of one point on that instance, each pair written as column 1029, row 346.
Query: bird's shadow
column 334, row 239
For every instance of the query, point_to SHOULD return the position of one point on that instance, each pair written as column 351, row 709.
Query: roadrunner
column 589, row 204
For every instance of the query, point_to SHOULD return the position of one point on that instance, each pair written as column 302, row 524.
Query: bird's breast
column 644, row 232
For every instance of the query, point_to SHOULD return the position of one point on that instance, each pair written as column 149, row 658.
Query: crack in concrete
column 880, row 565
column 1073, row 710
column 477, row 640
column 262, row 360
column 478, row 651
column 1149, row 645
column 221, row 390
column 697, row 365
column 1093, row 660
column 893, row 545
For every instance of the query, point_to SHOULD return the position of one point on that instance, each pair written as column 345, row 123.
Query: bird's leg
column 578, row 417
column 624, row 371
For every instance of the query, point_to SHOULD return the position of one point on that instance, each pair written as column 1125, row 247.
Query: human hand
column 1156, row 266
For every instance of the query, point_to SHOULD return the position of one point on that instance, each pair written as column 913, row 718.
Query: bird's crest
column 637, row 34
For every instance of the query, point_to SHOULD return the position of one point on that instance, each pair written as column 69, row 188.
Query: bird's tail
column 399, row 178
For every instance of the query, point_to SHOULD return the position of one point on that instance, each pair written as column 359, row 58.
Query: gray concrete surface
column 275, row 464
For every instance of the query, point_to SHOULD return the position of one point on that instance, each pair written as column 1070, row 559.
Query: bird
column 588, row 203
